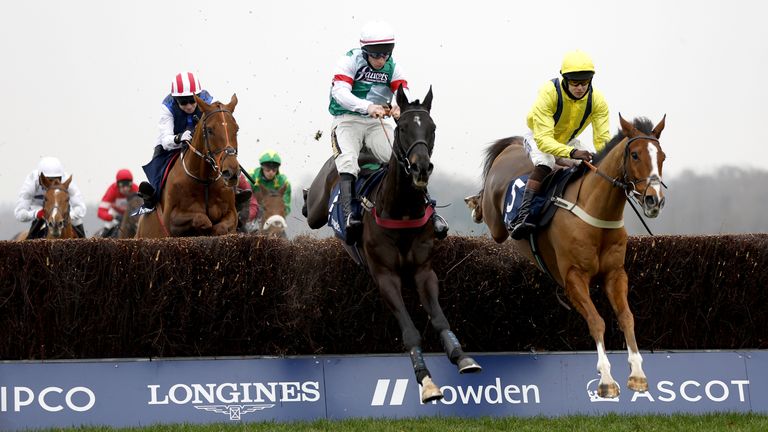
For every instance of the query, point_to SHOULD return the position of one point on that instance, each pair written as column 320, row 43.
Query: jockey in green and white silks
column 563, row 109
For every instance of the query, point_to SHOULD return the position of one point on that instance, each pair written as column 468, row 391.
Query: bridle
column 213, row 158
column 402, row 157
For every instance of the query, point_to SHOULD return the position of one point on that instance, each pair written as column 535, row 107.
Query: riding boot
column 242, row 196
column 353, row 224
column 440, row 226
column 304, row 193
column 520, row 227
column 147, row 193
column 37, row 229
column 79, row 230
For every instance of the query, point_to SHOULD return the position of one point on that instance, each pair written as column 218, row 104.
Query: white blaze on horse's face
column 417, row 120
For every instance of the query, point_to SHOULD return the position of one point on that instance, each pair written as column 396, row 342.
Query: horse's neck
column 397, row 197
column 597, row 195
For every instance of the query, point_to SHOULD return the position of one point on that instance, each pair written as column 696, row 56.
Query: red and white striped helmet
column 377, row 33
column 185, row 84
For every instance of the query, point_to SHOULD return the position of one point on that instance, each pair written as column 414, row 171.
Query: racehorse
column 128, row 224
column 198, row 197
column 402, row 256
column 272, row 221
column 56, row 208
column 575, row 251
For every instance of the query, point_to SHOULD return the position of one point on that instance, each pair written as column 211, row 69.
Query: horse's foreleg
column 616, row 288
column 390, row 288
column 428, row 288
column 226, row 225
column 182, row 223
column 577, row 289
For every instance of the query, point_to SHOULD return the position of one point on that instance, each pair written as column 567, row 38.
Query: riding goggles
column 185, row 100
column 378, row 55
column 124, row 183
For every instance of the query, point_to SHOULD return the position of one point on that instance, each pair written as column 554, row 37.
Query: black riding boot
column 304, row 193
column 520, row 227
column 353, row 224
column 242, row 196
column 79, row 230
column 147, row 193
column 440, row 226
column 37, row 229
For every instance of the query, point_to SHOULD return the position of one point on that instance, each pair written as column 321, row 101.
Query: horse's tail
column 494, row 150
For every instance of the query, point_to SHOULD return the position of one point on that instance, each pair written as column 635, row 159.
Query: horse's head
column 272, row 211
column 415, row 138
column 218, row 132
column 56, row 205
column 643, row 161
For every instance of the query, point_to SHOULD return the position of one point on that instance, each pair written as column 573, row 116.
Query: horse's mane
column 494, row 150
column 643, row 124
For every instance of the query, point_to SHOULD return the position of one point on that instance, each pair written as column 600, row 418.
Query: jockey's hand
column 182, row 136
column 111, row 224
column 395, row 112
column 377, row 111
column 40, row 214
column 581, row 155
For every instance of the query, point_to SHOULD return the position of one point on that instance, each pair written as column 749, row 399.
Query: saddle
column 369, row 177
column 543, row 206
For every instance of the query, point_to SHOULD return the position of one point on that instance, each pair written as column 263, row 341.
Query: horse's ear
column 659, row 127
column 627, row 128
column 402, row 99
column 428, row 100
column 44, row 182
column 232, row 103
column 202, row 104
column 66, row 183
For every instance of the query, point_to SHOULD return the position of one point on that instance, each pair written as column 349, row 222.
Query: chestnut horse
column 576, row 252
column 56, row 208
column 397, row 257
column 272, row 221
column 198, row 197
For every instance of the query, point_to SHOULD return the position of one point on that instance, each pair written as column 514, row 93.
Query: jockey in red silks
column 114, row 203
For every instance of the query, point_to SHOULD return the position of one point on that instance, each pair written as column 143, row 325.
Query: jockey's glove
column 182, row 136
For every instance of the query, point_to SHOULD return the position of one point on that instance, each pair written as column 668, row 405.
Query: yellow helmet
column 577, row 65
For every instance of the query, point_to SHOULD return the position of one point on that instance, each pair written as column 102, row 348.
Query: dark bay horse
column 575, row 251
column 129, row 224
column 56, row 208
column 198, row 197
column 397, row 257
column 272, row 221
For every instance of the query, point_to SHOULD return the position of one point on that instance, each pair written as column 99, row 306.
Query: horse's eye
column 635, row 156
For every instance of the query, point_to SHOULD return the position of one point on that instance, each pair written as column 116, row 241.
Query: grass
column 729, row 422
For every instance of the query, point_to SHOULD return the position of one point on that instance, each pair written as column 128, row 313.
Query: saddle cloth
column 369, row 176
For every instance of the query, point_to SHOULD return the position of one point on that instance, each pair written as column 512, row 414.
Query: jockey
column 563, row 109
column 364, row 82
column 29, row 205
column 115, row 201
column 179, row 115
column 269, row 176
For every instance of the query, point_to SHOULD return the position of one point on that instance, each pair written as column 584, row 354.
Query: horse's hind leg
column 390, row 288
column 428, row 288
column 577, row 289
column 616, row 289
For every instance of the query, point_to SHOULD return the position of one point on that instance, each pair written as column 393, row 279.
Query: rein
column 630, row 186
column 213, row 158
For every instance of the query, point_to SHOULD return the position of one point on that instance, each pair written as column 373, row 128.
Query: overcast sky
column 83, row 80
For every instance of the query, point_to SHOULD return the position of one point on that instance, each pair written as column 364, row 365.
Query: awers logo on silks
column 491, row 394
column 366, row 74
column 234, row 399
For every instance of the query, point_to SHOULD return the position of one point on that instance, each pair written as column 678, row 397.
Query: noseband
column 404, row 157
column 213, row 158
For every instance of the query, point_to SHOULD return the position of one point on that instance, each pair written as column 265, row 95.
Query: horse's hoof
column 468, row 365
column 429, row 391
column 638, row 384
column 609, row 391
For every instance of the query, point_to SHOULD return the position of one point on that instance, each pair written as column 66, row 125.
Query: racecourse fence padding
column 248, row 295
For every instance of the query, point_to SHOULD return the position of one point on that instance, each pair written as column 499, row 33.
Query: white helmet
column 185, row 84
column 50, row 167
column 377, row 33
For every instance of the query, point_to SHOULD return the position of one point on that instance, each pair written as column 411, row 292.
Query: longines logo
column 491, row 394
column 689, row 390
column 234, row 399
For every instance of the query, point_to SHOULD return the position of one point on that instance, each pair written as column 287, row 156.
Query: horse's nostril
column 651, row 201
column 431, row 167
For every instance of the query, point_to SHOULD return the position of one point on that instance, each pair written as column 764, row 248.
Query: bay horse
column 56, row 208
column 272, row 221
column 198, row 197
column 129, row 224
column 397, row 257
column 574, row 251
